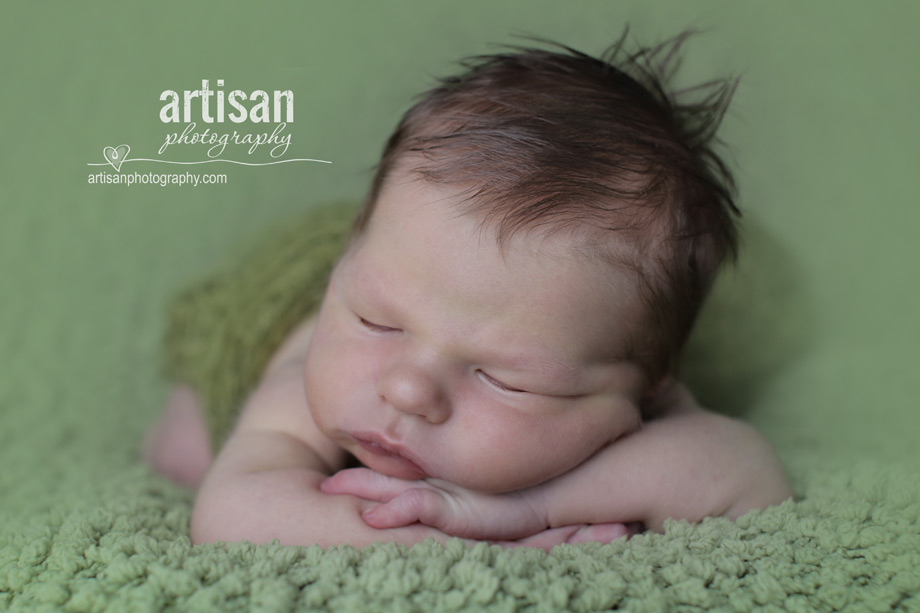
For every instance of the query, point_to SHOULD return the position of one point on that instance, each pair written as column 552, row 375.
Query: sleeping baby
column 495, row 351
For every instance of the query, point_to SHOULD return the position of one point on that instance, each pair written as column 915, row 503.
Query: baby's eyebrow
column 370, row 288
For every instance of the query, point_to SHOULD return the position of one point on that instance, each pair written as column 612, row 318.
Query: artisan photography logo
column 196, row 121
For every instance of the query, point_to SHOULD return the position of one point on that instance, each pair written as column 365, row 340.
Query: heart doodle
column 116, row 155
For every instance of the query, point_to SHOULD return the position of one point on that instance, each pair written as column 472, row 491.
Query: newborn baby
column 495, row 349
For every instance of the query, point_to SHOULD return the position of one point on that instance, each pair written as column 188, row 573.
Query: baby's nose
column 410, row 389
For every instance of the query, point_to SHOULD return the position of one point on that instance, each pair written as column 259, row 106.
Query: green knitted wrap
column 222, row 332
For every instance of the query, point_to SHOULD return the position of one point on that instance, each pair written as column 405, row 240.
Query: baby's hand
column 512, row 519
column 440, row 504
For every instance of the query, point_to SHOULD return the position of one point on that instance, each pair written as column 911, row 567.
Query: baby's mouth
column 388, row 457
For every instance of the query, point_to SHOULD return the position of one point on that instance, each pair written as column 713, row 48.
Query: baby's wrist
column 539, row 499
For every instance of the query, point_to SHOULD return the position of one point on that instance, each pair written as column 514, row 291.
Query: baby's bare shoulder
column 279, row 403
column 292, row 349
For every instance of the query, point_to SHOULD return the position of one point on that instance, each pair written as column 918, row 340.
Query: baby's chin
column 492, row 481
column 403, row 468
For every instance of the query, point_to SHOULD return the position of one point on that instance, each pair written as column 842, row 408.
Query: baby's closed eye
column 375, row 327
column 499, row 384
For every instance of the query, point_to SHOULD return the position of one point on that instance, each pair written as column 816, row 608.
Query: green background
column 813, row 337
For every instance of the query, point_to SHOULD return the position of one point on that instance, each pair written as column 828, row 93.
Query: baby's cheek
column 319, row 382
column 535, row 449
column 500, row 455
column 338, row 381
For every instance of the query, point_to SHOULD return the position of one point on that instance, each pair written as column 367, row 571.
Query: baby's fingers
column 366, row 483
column 600, row 533
column 585, row 533
column 545, row 540
column 424, row 506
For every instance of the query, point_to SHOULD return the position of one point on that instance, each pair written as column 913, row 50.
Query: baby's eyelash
column 493, row 381
column 375, row 327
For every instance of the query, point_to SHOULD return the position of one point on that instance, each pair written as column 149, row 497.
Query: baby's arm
column 687, row 464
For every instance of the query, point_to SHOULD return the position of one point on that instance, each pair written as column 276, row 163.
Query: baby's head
column 542, row 142
column 536, row 244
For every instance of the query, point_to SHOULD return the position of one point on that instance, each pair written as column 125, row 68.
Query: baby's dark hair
column 556, row 139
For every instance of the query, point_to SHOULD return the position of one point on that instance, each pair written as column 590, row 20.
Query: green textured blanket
column 813, row 340
column 853, row 543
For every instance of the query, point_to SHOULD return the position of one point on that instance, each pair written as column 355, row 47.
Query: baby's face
column 437, row 354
